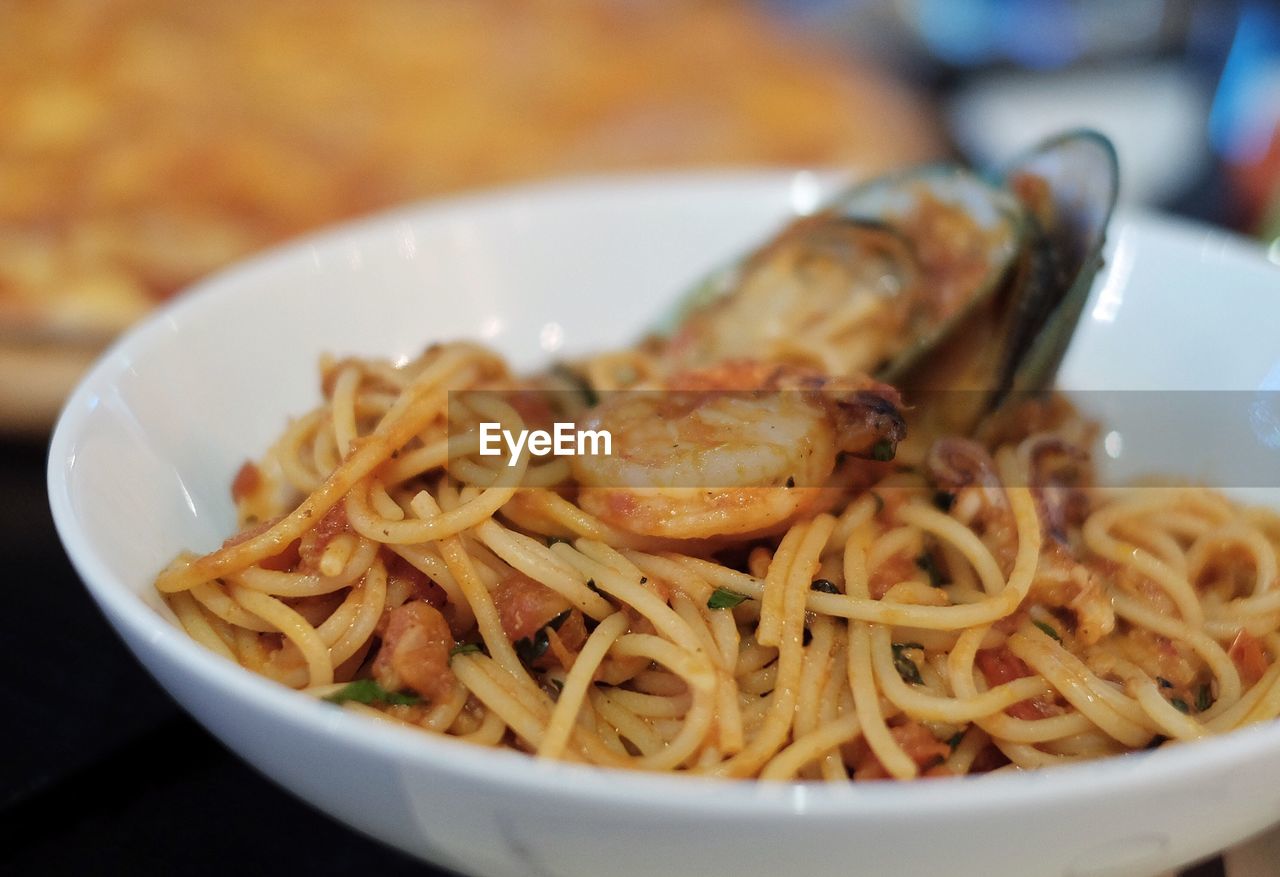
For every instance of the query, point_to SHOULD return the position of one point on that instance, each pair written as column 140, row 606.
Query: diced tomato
column 533, row 407
column 1000, row 666
column 247, row 481
column 565, row 642
column 917, row 741
column 400, row 573
column 1250, row 659
column 525, row 606
column 989, row 759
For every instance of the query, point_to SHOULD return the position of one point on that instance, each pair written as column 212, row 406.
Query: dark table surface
column 101, row 772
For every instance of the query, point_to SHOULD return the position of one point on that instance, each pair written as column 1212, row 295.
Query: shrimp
column 415, row 651
column 739, row 449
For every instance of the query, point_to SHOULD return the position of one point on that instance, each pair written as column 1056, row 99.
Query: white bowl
column 141, row 461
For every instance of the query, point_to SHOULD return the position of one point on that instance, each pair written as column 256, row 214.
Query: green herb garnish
column 1048, row 630
column 464, row 649
column 530, row 649
column 369, row 691
column 589, row 395
column 883, row 451
column 906, row 667
column 1204, row 698
column 723, row 598
column 955, row 739
column 825, row 586
column 926, row 562
column 1180, row 705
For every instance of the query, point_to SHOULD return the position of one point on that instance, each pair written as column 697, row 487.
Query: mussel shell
column 920, row 204
column 984, row 281
column 920, row 249
column 1066, row 190
column 1068, row 186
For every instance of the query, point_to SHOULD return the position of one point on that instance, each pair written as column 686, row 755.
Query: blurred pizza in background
column 145, row 143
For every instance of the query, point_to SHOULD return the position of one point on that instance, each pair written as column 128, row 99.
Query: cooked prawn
column 415, row 651
column 744, row 447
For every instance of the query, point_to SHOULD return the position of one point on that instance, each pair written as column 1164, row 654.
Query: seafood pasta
column 780, row 569
column 972, row 609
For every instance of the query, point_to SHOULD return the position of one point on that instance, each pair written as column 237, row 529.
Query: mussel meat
column 936, row 280
column 866, row 285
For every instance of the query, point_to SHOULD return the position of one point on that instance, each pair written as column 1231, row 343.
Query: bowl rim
column 134, row 620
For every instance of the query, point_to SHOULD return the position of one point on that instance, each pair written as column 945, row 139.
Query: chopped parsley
column 530, row 648
column 825, row 586
column 930, row 567
column 906, row 667
column 590, row 397
column 1180, row 705
column 1204, row 698
column 1048, row 630
column 883, row 451
column 369, row 691
column 465, row 649
column 723, row 598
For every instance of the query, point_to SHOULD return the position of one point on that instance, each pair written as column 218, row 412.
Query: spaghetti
column 972, row 608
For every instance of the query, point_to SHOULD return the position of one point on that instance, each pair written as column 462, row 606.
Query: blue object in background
column 1039, row 34
column 1246, row 106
